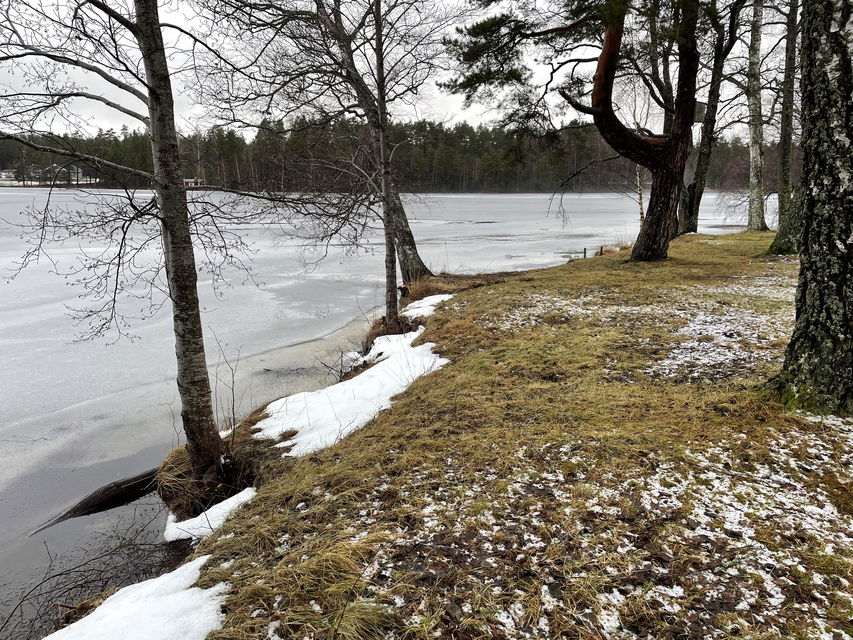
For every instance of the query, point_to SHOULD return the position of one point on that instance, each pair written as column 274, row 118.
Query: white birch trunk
column 756, row 125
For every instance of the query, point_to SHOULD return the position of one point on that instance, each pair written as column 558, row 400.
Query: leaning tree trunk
column 818, row 369
column 204, row 446
column 788, row 230
column 374, row 105
column 661, row 221
column 662, row 215
column 665, row 156
column 412, row 267
column 756, row 220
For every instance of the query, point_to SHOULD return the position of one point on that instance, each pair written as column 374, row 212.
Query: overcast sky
column 432, row 102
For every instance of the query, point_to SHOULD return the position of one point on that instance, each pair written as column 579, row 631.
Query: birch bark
column 818, row 369
column 756, row 220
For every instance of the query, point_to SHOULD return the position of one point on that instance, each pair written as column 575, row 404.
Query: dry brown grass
column 187, row 496
column 477, row 441
column 419, row 289
column 84, row 608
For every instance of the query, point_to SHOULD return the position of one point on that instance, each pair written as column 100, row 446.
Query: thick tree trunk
column 206, row 449
column 756, row 220
column 691, row 198
column 789, row 234
column 412, row 267
column 818, row 370
column 687, row 192
column 788, row 230
column 660, row 223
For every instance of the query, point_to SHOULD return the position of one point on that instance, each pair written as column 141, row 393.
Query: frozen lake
column 75, row 415
column 87, row 402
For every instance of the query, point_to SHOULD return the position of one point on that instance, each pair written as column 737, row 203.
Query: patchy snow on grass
column 778, row 288
column 323, row 417
column 765, row 546
column 720, row 342
column 206, row 523
column 165, row 608
column 534, row 309
column 723, row 340
column 713, row 544
column 425, row 307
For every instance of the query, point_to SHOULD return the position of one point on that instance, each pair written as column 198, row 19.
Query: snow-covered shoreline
column 172, row 609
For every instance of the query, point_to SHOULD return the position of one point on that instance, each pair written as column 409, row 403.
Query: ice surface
column 206, row 523
column 108, row 401
column 165, row 608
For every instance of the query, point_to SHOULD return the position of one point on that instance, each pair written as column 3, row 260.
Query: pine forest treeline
column 430, row 158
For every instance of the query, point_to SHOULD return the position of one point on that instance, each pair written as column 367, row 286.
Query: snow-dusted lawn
column 527, row 492
column 714, row 339
column 707, row 546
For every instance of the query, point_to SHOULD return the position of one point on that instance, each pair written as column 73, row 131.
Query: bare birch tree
column 327, row 60
column 756, row 221
column 76, row 52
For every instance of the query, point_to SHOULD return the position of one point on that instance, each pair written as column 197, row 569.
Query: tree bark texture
column 660, row 223
column 788, row 230
column 204, row 445
column 412, row 266
column 756, row 220
column 818, row 369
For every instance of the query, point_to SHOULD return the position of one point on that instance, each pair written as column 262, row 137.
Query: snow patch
column 533, row 309
column 719, row 342
column 165, row 608
column 206, row 523
column 323, row 417
column 425, row 307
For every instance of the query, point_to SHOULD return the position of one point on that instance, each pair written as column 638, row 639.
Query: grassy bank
column 595, row 462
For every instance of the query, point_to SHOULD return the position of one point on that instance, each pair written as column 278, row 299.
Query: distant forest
column 430, row 158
